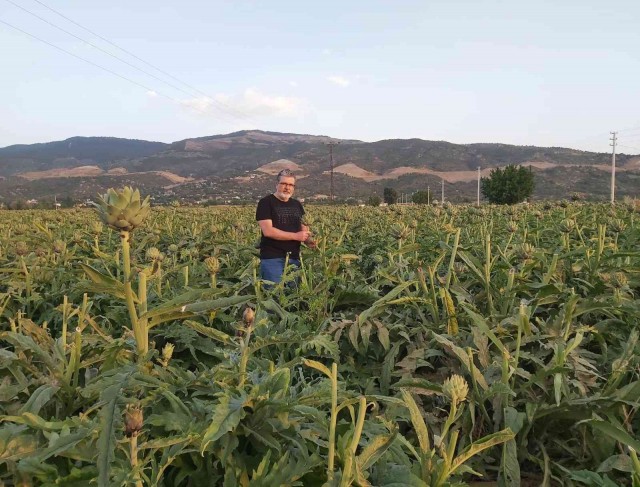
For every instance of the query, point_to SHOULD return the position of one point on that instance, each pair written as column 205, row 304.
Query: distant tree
column 374, row 200
column 390, row 196
column 19, row 204
column 421, row 198
column 67, row 202
column 508, row 185
column 45, row 203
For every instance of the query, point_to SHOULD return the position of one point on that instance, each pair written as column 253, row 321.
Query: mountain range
column 241, row 167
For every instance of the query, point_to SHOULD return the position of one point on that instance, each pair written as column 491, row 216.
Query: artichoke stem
column 133, row 444
column 135, row 325
column 142, row 322
column 126, row 255
column 244, row 357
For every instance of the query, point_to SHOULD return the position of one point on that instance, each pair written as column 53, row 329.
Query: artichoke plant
column 123, row 210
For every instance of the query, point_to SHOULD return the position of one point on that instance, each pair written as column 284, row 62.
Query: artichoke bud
column 449, row 228
column 525, row 251
column 618, row 225
column 154, row 254
column 619, row 280
column 21, row 248
column 96, row 228
column 455, row 388
column 248, row 316
column 59, row 246
column 400, row 231
column 334, row 265
column 122, row 210
column 133, row 420
column 213, row 265
column 167, row 352
column 567, row 225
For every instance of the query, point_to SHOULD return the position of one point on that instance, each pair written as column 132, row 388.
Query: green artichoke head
column 122, row 210
column 455, row 388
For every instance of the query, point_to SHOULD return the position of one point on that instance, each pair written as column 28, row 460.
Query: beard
column 282, row 196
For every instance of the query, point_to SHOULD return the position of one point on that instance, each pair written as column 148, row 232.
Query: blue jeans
column 272, row 269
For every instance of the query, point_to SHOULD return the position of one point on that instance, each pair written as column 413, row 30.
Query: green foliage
column 508, row 185
column 423, row 346
column 374, row 200
column 390, row 195
column 421, row 197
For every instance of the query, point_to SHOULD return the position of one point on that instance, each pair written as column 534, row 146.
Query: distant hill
column 73, row 152
column 240, row 167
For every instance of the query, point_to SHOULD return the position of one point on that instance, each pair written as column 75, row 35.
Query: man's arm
column 269, row 231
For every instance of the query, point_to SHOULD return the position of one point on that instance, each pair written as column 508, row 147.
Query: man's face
column 284, row 189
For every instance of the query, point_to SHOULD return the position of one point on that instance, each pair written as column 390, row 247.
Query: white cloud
column 152, row 94
column 293, row 83
column 339, row 80
column 251, row 103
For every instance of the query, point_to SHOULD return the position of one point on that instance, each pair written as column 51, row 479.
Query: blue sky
column 547, row 73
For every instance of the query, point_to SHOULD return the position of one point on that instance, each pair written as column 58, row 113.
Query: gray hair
column 285, row 173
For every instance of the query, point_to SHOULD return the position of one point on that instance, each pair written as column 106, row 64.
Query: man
column 280, row 220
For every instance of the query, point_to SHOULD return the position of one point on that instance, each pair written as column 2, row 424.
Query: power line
column 111, row 43
column 86, row 60
column 632, row 136
column 629, row 129
column 628, row 147
column 98, row 66
column 219, row 105
column 602, row 134
column 125, row 51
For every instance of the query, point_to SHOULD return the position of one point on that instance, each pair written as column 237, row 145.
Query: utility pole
column 428, row 195
column 442, row 199
column 331, row 145
column 478, row 199
column 613, row 167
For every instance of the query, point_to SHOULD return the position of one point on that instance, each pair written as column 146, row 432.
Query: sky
column 561, row 73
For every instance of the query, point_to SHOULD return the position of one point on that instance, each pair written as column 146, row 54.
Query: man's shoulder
column 295, row 201
column 268, row 197
column 267, row 200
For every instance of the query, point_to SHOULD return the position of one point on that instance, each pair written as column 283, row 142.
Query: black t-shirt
column 286, row 216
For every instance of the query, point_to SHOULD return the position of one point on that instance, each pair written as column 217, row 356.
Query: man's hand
column 302, row 235
column 312, row 244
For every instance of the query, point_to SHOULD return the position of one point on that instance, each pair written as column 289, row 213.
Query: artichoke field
column 422, row 346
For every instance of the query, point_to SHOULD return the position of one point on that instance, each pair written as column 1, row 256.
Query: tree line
column 504, row 186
